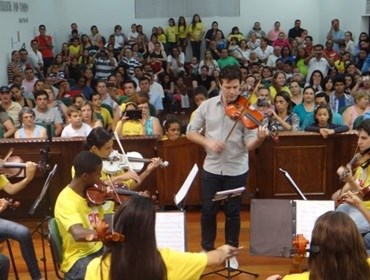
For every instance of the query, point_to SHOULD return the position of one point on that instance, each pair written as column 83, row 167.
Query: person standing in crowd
column 226, row 163
column 45, row 45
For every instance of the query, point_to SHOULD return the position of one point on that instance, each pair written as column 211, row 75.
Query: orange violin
column 299, row 246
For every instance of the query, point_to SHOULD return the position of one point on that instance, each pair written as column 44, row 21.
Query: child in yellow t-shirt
column 129, row 124
column 172, row 128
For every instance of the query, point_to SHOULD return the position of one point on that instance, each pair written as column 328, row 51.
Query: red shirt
column 45, row 43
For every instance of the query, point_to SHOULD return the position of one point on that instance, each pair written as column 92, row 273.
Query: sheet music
column 181, row 194
column 307, row 212
column 229, row 193
column 170, row 230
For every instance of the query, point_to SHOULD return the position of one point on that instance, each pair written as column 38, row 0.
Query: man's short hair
column 40, row 92
column 130, row 82
column 365, row 126
column 230, row 73
column 86, row 162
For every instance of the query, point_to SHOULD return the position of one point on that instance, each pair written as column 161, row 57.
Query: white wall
column 57, row 15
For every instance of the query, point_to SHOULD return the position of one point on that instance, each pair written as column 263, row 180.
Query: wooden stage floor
column 264, row 266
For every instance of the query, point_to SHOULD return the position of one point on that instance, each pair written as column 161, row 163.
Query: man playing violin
column 226, row 163
column 15, row 231
column 357, row 181
column 76, row 217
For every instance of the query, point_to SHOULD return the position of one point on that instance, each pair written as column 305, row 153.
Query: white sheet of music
column 170, row 230
column 307, row 212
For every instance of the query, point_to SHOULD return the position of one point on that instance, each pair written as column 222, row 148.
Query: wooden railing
column 309, row 158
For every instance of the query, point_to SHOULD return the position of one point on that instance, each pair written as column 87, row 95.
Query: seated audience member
column 105, row 63
column 205, row 81
column 208, row 61
column 307, row 105
column 56, row 103
column 278, row 83
column 76, row 127
column 281, row 118
column 264, row 50
column 172, row 128
column 321, row 98
column 323, row 123
column 88, row 115
column 180, row 97
column 318, row 61
column 200, row 94
column 226, row 60
column 361, row 106
column 339, row 100
column 28, row 127
column 7, row 127
column 331, row 261
column 100, row 112
column 18, row 97
column 151, row 124
column 11, row 107
column 135, row 221
column 46, row 115
column 130, row 124
column 176, row 62
column 296, row 93
column 76, row 218
column 78, row 100
column 153, row 96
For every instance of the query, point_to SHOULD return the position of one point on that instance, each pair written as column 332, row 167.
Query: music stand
column 231, row 272
column 296, row 188
column 40, row 225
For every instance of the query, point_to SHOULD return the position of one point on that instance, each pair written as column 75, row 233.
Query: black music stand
column 40, row 225
column 230, row 272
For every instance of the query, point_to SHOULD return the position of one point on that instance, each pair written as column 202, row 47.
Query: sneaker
column 233, row 263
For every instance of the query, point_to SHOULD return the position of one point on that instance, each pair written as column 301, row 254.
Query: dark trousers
column 195, row 46
column 78, row 270
column 212, row 183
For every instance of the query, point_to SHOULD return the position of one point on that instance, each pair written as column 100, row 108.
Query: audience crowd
column 131, row 82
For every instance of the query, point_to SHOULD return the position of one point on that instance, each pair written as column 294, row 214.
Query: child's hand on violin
column 352, row 199
column 3, row 204
column 155, row 162
column 274, row 277
column 345, row 173
column 30, row 169
column 215, row 146
column 131, row 175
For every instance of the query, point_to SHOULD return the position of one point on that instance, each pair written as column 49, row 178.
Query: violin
column 116, row 162
column 12, row 166
column 106, row 233
column 240, row 109
column 99, row 193
column 299, row 244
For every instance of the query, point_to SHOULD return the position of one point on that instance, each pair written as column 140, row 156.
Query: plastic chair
column 55, row 242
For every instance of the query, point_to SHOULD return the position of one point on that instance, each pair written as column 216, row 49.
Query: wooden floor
column 264, row 266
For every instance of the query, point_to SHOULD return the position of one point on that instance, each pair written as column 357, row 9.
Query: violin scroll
column 299, row 244
column 107, row 235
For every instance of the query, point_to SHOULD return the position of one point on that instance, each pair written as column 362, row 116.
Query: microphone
column 289, row 252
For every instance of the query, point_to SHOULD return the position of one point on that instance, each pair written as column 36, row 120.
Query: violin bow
column 243, row 111
column 114, row 190
column 123, row 151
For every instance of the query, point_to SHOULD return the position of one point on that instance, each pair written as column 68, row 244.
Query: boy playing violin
column 76, row 218
column 357, row 181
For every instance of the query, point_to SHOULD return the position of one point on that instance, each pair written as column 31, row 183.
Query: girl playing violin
column 135, row 255
column 100, row 142
column 358, row 180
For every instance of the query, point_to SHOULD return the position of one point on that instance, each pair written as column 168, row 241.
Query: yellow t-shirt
column 304, row 275
column 171, row 32
column 182, row 31
column 196, row 34
column 132, row 127
column 71, row 209
column 179, row 265
column 3, row 181
column 273, row 90
column 362, row 177
column 75, row 51
column 162, row 38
